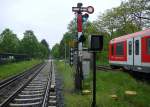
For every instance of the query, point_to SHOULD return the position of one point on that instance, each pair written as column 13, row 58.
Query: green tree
column 45, row 50
column 55, row 51
column 29, row 44
column 118, row 21
column 9, row 42
column 44, row 42
column 140, row 12
column 64, row 44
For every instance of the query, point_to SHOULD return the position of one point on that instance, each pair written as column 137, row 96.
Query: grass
column 11, row 69
column 71, row 99
column 108, row 83
column 99, row 62
column 102, row 58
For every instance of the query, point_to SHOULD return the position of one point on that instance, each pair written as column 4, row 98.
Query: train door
column 137, row 51
column 130, row 51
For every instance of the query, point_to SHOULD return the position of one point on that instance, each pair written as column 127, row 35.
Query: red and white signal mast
column 80, row 18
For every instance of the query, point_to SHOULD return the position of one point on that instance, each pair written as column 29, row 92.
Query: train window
column 148, row 46
column 119, row 49
column 112, row 49
column 137, row 47
column 130, row 48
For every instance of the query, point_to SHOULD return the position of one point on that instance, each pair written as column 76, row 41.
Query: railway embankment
column 9, row 85
column 114, row 89
column 37, row 90
column 11, row 69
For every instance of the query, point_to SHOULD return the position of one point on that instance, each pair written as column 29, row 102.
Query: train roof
column 123, row 38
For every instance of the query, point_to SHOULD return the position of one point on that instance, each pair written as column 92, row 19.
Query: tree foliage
column 29, row 44
column 44, row 42
column 46, row 50
column 9, row 43
column 129, row 17
column 55, row 51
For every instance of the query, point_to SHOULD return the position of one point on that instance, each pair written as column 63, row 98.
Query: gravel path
column 59, row 89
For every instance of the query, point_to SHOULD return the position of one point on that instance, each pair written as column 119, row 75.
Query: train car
column 131, row 52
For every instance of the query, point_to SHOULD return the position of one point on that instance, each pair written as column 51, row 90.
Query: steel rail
column 141, row 76
column 10, row 98
column 46, row 98
column 8, row 81
column 107, row 68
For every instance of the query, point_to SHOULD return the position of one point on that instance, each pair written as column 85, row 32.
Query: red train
column 131, row 52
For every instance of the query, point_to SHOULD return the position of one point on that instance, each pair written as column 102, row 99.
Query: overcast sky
column 47, row 18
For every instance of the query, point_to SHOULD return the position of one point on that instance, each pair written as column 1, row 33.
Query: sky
column 47, row 18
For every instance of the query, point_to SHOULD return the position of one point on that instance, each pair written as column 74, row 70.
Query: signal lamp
column 96, row 42
column 85, row 17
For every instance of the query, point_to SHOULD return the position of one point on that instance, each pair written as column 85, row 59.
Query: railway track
column 10, row 85
column 106, row 68
column 12, row 79
column 145, row 77
column 38, row 91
